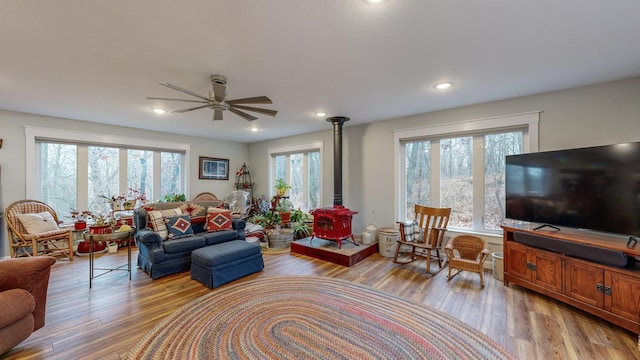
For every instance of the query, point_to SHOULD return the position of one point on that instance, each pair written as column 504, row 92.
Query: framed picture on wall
column 213, row 169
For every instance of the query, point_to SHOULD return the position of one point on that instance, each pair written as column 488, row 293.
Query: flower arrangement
column 81, row 216
column 129, row 201
column 137, row 195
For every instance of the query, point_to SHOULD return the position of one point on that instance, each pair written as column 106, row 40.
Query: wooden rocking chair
column 426, row 240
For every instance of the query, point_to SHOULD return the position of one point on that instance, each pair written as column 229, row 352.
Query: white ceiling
column 98, row 60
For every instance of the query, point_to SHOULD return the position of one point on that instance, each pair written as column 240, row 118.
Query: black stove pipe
column 337, row 122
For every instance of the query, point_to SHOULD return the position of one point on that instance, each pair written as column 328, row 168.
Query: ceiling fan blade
column 217, row 114
column 251, row 100
column 258, row 110
column 189, row 109
column 169, row 99
column 243, row 115
column 220, row 91
column 182, row 90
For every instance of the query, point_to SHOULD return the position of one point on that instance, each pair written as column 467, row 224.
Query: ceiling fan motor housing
column 219, row 79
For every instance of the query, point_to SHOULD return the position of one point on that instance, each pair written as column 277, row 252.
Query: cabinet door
column 584, row 282
column 621, row 295
column 547, row 269
column 517, row 263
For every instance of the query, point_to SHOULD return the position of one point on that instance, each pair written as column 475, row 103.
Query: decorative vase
column 80, row 225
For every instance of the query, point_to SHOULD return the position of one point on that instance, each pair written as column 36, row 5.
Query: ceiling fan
column 217, row 100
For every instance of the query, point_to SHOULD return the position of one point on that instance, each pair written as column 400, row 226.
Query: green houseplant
column 175, row 198
column 281, row 187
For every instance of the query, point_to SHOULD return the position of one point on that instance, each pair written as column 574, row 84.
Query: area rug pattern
column 310, row 317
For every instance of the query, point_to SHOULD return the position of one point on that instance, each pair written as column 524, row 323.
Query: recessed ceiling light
column 444, row 85
column 321, row 114
column 254, row 129
column 158, row 111
column 374, row 1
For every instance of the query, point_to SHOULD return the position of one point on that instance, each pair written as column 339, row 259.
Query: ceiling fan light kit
column 217, row 100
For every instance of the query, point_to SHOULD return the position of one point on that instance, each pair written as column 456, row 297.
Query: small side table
column 120, row 235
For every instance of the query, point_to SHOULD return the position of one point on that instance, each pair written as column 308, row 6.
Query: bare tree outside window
column 170, row 174
column 456, row 179
column 456, row 158
column 104, row 177
column 497, row 147
column 418, row 176
column 140, row 171
column 59, row 173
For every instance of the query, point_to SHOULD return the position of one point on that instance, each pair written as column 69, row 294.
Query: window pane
column 281, row 167
column 418, row 174
column 59, row 172
column 296, row 193
column 103, row 177
column 314, row 181
column 170, row 174
column 496, row 147
column 140, row 171
column 305, row 196
column 456, row 182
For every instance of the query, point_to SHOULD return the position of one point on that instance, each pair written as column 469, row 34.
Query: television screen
column 596, row 188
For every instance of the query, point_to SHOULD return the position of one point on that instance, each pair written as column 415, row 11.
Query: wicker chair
column 467, row 252
column 431, row 225
column 53, row 241
column 205, row 196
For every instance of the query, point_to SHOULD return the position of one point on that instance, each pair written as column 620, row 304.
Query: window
column 461, row 166
column 76, row 174
column 300, row 167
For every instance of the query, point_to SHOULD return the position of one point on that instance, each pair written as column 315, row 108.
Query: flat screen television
column 595, row 188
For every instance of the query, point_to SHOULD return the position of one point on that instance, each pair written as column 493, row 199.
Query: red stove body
column 333, row 223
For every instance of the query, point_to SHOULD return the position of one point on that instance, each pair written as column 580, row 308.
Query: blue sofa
column 159, row 257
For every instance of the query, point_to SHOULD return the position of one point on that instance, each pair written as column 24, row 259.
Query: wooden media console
column 597, row 273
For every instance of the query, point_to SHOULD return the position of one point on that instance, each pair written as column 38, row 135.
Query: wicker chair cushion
column 38, row 223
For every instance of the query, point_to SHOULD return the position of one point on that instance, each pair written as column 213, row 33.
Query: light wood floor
column 107, row 320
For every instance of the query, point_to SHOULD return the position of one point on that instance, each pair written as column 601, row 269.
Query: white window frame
column 34, row 135
column 528, row 122
column 296, row 149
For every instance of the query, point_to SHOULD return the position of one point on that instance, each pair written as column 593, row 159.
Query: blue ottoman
column 219, row 264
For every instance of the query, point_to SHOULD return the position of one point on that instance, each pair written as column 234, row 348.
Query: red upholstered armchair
column 23, row 297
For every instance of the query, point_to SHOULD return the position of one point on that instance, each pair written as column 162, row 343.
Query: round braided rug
column 310, row 317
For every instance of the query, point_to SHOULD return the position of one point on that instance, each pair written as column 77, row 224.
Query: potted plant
column 271, row 219
column 175, row 197
column 80, row 219
column 281, row 187
column 284, row 207
column 300, row 224
column 301, row 230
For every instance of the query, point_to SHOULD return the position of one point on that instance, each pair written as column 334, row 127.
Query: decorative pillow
column 218, row 219
column 178, row 226
column 38, row 223
column 408, row 230
column 418, row 233
column 156, row 219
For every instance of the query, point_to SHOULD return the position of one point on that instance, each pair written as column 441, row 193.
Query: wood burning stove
column 334, row 223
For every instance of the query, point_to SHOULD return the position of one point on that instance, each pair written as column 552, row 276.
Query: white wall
column 600, row 114
column 12, row 155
